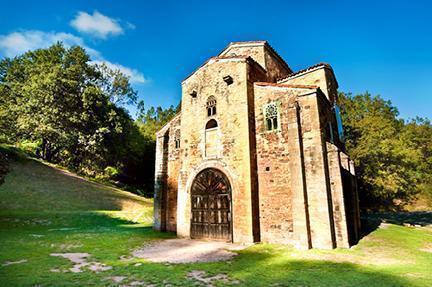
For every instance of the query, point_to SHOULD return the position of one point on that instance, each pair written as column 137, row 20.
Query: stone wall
column 320, row 76
column 174, row 164
column 273, row 166
column 264, row 55
column 166, row 176
column 300, row 180
column 234, row 149
column 291, row 185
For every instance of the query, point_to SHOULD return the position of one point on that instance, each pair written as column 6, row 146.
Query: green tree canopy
column 57, row 97
column 72, row 109
column 392, row 157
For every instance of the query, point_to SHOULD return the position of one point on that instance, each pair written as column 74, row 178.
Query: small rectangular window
column 177, row 139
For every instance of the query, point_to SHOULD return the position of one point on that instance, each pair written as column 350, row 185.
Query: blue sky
column 384, row 47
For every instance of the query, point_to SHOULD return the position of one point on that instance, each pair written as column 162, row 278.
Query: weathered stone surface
column 292, row 184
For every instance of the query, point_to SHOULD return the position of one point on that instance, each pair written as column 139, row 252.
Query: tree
column 385, row 150
column 58, row 98
column 71, row 108
column 154, row 119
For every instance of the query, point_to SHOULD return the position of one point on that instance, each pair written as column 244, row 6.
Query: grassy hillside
column 45, row 210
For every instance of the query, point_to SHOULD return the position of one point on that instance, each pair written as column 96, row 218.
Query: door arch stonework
column 211, row 206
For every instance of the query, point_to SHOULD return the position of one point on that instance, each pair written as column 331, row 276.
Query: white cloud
column 97, row 25
column 135, row 76
column 17, row 43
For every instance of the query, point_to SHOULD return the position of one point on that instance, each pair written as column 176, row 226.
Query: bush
column 111, row 172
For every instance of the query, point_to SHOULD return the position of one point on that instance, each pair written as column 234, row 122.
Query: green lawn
column 44, row 210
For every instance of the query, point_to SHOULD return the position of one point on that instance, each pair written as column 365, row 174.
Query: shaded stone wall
column 166, row 174
column 316, row 173
column 174, row 164
column 161, row 173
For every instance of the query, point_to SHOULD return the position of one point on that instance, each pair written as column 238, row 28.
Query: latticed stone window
column 177, row 139
column 211, row 106
column 271, row 116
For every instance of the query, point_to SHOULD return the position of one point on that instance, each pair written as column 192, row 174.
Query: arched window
column 211, row 124
column 271, row 115
column 211, row 106
column 212, row 139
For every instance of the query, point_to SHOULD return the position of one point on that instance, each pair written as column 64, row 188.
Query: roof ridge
column 266, row 44
column 295, row 86
column 321, row 64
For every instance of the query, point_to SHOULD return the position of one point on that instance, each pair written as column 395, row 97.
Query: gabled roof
column 258, row 43
column 314, row 87
column 237, row 57
column 310, row 69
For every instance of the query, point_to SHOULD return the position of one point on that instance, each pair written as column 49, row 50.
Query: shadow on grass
column 68, row 223
column 322, row 273
column 371, row 221
column 45, row 188
column 267, row 267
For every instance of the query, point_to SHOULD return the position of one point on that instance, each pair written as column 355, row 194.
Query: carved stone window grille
column 271, row 116
column 211, row 106
column 177, row 139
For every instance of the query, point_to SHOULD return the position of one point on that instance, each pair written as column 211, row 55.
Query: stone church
column 257, row 155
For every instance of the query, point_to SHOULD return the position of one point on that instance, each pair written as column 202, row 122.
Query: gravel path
column 188, row 251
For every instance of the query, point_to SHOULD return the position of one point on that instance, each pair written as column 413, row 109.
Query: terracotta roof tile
column 286, row 85
column 306, row 70
column 266, row 44
column 242, row 57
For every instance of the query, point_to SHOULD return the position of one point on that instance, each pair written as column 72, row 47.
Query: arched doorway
column 211, row 206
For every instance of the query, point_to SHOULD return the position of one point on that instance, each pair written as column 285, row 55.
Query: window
column 211, row 124
column 211, row 106
column 339, row 122
column 271, row 116
column 329, row 132
column 212, row 146
column 177, row 139
column 228, row 80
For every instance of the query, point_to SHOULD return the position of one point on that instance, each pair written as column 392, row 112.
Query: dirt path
column 187, row 251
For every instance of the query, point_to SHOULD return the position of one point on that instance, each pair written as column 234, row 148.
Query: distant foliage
column 4, row 166
column 154, row 119
column 393, row 157
column 69, row 111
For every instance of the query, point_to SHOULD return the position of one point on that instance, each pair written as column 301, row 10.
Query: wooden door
column 211, row 206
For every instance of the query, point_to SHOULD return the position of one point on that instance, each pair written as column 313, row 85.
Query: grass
column 45, row 210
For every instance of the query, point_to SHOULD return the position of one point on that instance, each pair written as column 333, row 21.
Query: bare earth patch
column 201, row 277
column 80, row 261
column 117, row 279
column 346, row 258
column 121, row 279
column 67, row 247
column 187, row 251
column 7, row 263
column 427, row 248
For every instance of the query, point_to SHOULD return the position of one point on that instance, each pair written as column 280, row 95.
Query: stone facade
column 273, row 133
